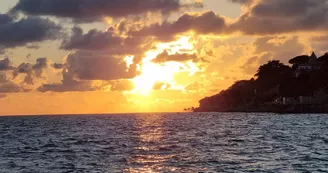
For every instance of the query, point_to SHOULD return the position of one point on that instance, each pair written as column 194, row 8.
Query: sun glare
column 152, row 72
column 129, row 61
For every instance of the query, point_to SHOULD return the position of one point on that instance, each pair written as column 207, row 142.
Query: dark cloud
column 283, row 16
column 10, row 87
column 263, row 17
column 285, row 8
column 68, row 84
column 83, row 67
column 95, row 66
column 107, row 41
column 90, row 10
column 27, row 30
column 5, row 64
column 201, row 23
column 58, row 66
column 4, row 19
column 41, row 64
column 23, row 68
column 31, row 71
column 164, row 57
column 241, row 1
column 94, row 39
column 7, row 86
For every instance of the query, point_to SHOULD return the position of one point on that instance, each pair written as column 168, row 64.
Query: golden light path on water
column 150, row 136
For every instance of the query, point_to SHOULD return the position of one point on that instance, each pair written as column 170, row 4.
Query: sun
column 152, row 72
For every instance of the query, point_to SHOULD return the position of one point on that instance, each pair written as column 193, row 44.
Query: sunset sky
column 108, row 56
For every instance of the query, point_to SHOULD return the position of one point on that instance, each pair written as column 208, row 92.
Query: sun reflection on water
column 149, row 157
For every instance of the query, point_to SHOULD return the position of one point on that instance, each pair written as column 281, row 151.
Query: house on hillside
column 284, row 101
column 305, row 63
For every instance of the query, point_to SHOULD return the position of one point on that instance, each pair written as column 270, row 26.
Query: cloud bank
column 15, row 33
column 92, row 10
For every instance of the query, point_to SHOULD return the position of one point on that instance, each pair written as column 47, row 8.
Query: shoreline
column 284, row 113
column 279, row 109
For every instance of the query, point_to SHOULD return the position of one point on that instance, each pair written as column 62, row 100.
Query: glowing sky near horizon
column 115, row 57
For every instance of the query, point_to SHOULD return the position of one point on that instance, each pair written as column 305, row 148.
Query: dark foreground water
column 192, row 142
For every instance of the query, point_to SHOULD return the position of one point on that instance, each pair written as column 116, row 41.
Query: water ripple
column 191, row 142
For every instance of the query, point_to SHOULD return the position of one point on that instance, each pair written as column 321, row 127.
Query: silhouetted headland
column 299, row 88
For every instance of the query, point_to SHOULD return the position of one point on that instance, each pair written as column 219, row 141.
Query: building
column 310, row 64
column 305, row 100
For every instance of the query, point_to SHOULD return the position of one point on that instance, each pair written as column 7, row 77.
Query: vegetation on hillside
column 272, row 80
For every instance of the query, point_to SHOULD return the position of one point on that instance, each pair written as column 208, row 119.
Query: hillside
column 277, row 87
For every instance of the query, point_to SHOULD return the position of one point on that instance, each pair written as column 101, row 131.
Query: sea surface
column 165, row 142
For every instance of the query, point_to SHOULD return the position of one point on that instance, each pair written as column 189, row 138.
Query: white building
column 311, row 65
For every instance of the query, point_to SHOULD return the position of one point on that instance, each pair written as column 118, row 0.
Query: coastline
column 280, row 109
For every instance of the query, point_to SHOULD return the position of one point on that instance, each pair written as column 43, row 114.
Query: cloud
column 8, row 86
column 4, row 19
column 93, row 40
column 267, row 48
column 283, row 16
column 106, row 42
column 57, row 66
column 280, row 48
column 5, row 64
column 96, row 66
column 83, row 68
column 252, row 64
column 101, row 40
column 285, row 8
column 31, row 71
column 26, row 30
column 41, row 64
column 68, row 84
column 165, row 56
column 91, row 10
column 241, row 1
column 263, row 17
column 202, row 23
column 122, row 85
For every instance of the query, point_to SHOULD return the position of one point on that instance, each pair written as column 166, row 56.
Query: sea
column 165, row 142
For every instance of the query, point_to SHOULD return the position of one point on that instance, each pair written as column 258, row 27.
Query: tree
column 302, row 59
column 272, row 74
column 273, row 69
column 324, row 58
